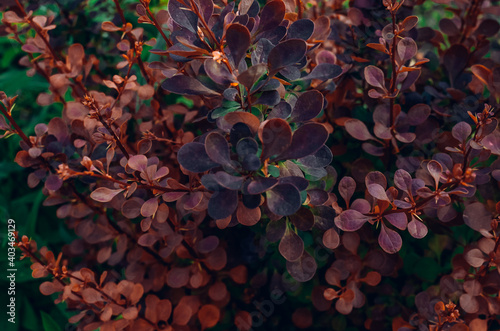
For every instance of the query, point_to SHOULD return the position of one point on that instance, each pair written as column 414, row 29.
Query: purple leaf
column 461, row 131
column 194, row 158
column 276, row 136
column 407, row 48
column 303, row 219
column 238, row 41
column 301, row 29
column 222, row 204
column 376, row 177
column 350, row 220
column 286, row 53
column 217, row 149
column 150, row 207
column 358, row 129
column 303, row 269
column 308, row 106
column 283, row 199
column 185, row 85
column 389, row 240
column 252, row 74
column 291, row 246
column 399, row 220
column 375, row 77
column 324, row 71
column 218, row 72
column 347, row 186
column 377, row 192
column 402, row 180
column 138, row 162
column 306, row 140
column 435, row 169
column 182, row 16
column 477, row 217
column 104, row 194
column 53, row 182
column 271, row 15
column 261, row 185
column 417, row 229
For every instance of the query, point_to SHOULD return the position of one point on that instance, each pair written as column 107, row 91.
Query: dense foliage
column 301, row 164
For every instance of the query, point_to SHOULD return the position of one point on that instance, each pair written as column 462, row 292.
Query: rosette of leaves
column 215, row 50
column 275, row 157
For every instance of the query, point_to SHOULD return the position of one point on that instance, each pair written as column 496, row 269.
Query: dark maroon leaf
column 291, row 246
column 247, row 146
column 275, row 135
column 238, row 41
column 217, row 149
column 317, row 197
column 238, row 132
column 303, row 219
column 271, row 15
column 308, row 106
column 185, row 85
column 222, row 204
column 389, row 240
column 324, row 217
column 218, row 72
column 228, row 181
column 283, row 199
column 448, row 27
column 418, row 114
column 303, row 269
column 207, row 244
column 320, row 159
column 249, row 77
column 185, row 18
column 281, row 110
column 455, row 60
column 286, row 53
column 299, row 182
column 194, row 158
column 306, row 140
column 207, row 8
column 275, row 230
column 488, row 28
column 53, row 182
column 324, row 71
column 261, row 185
column 301, row 29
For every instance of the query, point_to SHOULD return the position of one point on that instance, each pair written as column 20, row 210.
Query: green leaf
column 48, row 323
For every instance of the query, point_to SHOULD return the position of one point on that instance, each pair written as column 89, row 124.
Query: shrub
column 197, row 142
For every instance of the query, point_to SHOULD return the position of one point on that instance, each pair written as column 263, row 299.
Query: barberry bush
column 246, row 164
